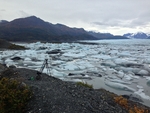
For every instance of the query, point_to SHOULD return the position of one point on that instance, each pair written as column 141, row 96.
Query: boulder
column 16, row 58
column 55, row 51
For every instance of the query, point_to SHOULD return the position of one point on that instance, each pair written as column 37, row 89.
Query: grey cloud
column 97, row 14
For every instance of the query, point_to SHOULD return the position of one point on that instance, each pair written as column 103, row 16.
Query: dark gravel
column 51, row 95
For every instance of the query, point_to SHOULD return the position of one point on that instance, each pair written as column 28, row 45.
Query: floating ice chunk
column 11, row 64
column 146, row 61
column 68, row 66
column 101, row 56
column 148, row 78
column 29, row 53
column 143, row 72
column 38, row 63
column 148, row 83
column 124, row 54
column 27, row 59
column 27, row 62
column 111, row 77
column 57, row 73
column 127, row 63
column 140, row 87
column 120, row 74
column 8, row 61
column 125, row 69
column 119, row 86
column 84, row 64
column 109, row 63
column 128, row 77
column 118, row 81
column 146, row 67
column 74, row 55
column 113, row 52
column 113, row 70
column 133, row 76
column 119, row 61
column 142, row 94
column 57, row 62
column 63, row 58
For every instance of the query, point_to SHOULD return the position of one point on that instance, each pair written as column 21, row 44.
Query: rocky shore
column 51, row 95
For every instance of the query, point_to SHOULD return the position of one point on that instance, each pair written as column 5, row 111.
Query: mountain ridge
column 35, row 29
column 137, row 35
column 30, row 29
column 106, row 36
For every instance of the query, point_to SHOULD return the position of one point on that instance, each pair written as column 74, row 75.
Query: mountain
column 3, row 21
column 35, row 29
column 138, row 35
column 106, row 36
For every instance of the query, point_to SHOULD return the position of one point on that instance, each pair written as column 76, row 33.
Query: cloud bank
column 114, row 16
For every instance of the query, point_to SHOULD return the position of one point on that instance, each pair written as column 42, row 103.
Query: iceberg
column 119, row 86
column 142, row 94
column 143, row 72
column 118, row 81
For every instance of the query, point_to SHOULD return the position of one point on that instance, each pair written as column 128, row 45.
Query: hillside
column 35, row 29
column 7, row 45
column 51, row 95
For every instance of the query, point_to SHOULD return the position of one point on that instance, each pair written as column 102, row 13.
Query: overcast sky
column 113, row 16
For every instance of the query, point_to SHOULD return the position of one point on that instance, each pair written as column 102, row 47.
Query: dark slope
column 4, row 44
column 51, row 95
column 34, row 29
column 7, row 45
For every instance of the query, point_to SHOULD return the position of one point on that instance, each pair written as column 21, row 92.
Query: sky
column 106, row 16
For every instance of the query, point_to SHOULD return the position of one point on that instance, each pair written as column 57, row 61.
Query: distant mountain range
column 106, row 36
column 32, row 28
column 138, row 35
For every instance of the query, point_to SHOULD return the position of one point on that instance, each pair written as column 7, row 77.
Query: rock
column 16, row 58
column 12, row 66
column 2, row 67
column 38, row 77
column 55, row 51
column 72, row 74
column 22, row 85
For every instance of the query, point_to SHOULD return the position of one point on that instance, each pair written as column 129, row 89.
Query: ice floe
column 119, row 86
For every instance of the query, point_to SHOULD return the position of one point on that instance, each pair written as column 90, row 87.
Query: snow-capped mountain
column 138, row 35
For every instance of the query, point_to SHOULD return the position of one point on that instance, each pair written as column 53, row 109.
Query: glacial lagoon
column 120, row 66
